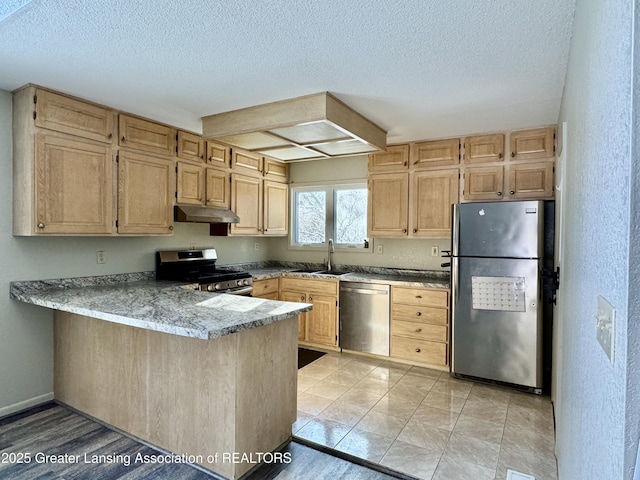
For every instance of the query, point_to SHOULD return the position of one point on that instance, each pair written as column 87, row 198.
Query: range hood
column 200, row 214
column 303, row 128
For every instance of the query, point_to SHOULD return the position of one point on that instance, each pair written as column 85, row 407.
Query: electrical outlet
column 605, row 322
column 434, row 251
column 192, row 246
column 257, row 246
column 101, row 257
column 379, row 249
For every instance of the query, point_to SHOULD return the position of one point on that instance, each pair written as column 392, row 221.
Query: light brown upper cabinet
column 484, row 148
column 217, row 155
column 536, row 143
column 145, row 194
column 395, row 158
column 483, row 183
column 74, row 186
column 246, row 202
column 531, row 180
column 275, row 208
column 275, row 170
column 247, row 163
column 145, row 135
column 217, row 188
column 190, row 146
column 190, row 184
column 388, row 204
column 435, row 154
column 75, row 117
column 430, row 198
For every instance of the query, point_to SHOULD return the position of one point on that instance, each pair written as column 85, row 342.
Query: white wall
column 591, row 438
column 26, row 333
column 396, row 252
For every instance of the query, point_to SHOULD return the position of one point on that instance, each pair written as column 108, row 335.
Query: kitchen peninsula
column 209, row 375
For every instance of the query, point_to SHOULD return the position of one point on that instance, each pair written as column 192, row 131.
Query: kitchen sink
column 302, row 270
column 333, row 272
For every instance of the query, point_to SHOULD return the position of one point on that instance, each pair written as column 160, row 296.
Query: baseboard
column 24, row 405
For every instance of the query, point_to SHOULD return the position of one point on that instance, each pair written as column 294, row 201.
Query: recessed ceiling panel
column 345, row 147
column 292, row 153
column 308, row 133
column 253, row 141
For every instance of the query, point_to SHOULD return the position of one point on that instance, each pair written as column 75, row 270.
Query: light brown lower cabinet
column 267, row 288
column 420, row 325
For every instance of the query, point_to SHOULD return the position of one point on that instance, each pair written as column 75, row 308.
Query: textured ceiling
column 418, row 68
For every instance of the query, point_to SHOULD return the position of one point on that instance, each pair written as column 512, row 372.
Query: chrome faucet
column 331, row 250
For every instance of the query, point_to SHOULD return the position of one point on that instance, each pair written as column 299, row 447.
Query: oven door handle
column 240, row 291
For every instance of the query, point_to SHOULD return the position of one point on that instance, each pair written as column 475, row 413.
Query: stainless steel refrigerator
column 496, row 294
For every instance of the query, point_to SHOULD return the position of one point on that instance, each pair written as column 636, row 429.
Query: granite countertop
column 168, row 307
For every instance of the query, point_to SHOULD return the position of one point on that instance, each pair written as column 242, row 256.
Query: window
column 335, row 211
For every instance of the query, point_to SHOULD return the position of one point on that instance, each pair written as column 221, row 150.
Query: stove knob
column 210, row 288
column 239, row 283
column 247, row 282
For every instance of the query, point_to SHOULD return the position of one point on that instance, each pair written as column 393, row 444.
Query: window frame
column 329, row 188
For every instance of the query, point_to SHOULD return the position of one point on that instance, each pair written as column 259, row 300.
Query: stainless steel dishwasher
column 364, row 317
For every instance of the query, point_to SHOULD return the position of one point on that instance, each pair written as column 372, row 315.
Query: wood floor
column 64, row 435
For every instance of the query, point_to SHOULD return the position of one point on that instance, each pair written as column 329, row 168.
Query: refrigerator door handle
column 455, row 229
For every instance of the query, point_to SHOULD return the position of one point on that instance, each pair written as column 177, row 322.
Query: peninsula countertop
column 164, row 306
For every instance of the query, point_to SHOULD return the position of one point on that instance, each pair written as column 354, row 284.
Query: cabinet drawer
column 422, row 351
column 145, row 135
column 419, row 331
column 246, row 162
column 263, row 287
column 323, row 287
column 411, row 313
column 418, row 296
column 190, row 146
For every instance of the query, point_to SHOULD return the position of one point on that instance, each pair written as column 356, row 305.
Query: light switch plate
column 605, row 322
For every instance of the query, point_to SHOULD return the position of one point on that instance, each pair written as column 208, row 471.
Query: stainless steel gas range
column 199, row 267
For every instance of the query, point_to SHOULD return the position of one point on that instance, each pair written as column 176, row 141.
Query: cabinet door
column 388, row 204
column 322, row 320
column 246, row 162
column 246, row 202
column 395, row 158
column 432, row 194
column 276, row 207
column 537, row 143
column 531, row 180
column 217, row 155
column 276, row 170
column 145, row 194
column 190, row 146
column 67, row 115
column 484, row 148
column 483, row 183
column 436, row 153
column 190, row 184
column 302, row 318
column 217, row 188
column 147, row 136
column 74, row 186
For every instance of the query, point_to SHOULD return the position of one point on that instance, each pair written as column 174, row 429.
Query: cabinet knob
column 418, row 296
column 415, row 230
column 110, row 136
column 41, row 225
column 201, row 156
column 513, row 154
column 404, row 163
column 511, row 192
column 499, row 194
column 418, row 330
column 302, row 297
column 499, row 155
column 311, row 299
column 418, row 314
column 122, row 139
column 417, row 350
column 211, row 158
column 170, row 227
column 404, row 230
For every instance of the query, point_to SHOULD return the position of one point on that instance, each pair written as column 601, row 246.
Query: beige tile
column 332, row 362
column 452, row 468
column 390, row 375
column 496, row 395
column 381, row 424
column 480, row 429
column 422, row 435
column 341, row 377
column 485, row 410
column 463, row 448
column 302, row 419
column 346, row 413
column 361, row 397
column 530, row 400
column 367, row 445
column 435, row 417
column 373, row 385
column 427, row 372
column 315, row 371
column 530, row 418
column 528, row 441
column 312, row 404
column 395, row 365
column 407, row 391
column 304, row 382
column 458, row 388
column 396, row 406
column 424, row 383
column 323, row 432
column 358, row 368
column 410, row 459
column 328, row 390
column 444, row 401
column 541, row 467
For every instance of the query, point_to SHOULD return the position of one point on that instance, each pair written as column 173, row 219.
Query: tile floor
column 423, row 422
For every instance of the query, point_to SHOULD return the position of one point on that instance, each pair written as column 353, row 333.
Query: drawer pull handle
column 302, row 297
column 418, row 330
column 418, row 314
column 311, row 299
column 418, row 296
column 417, row 350
column 41, row 225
